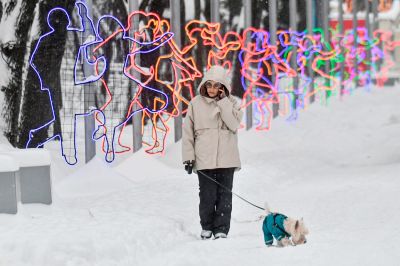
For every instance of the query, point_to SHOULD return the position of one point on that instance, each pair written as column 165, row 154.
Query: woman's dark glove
column 189, row 166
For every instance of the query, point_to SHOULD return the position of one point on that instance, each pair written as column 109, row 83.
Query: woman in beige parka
column 210, row 145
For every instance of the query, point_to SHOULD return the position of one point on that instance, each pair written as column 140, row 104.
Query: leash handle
column 215, row 181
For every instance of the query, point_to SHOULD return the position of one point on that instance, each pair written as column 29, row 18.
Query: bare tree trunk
column 14, row 52
column 36, row 108
column 1, row 10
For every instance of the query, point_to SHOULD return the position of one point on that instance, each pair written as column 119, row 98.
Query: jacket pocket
column 228, row 148
column 205, row 145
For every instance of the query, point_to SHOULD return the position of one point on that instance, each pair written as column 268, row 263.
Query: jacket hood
column 218, row 74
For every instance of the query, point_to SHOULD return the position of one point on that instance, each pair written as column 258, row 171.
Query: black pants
column 215, row 202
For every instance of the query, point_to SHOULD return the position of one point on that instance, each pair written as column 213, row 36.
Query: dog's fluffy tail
column 267, row 209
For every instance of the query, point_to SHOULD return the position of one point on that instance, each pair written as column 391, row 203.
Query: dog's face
column 299, row 233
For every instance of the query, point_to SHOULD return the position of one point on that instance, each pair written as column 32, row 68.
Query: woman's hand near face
column 222, row 93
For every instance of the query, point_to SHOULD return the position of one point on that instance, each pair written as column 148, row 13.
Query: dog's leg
column 284, row 242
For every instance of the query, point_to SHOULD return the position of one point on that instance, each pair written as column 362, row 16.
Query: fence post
column 136, row 118
column 175, row 7
column 369, row 35
column 293, row 59
column 247, row 23
column 375, row 26
column 375, row 22
column 325, row 27
column 214, row 11
column 341, row 32
column 88, row 98
column 355, row 22
column 272, row 10
column 310, row 27
column 367, row 17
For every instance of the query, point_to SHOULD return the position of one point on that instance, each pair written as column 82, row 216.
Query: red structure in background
column 383, row 6
column 347, row 23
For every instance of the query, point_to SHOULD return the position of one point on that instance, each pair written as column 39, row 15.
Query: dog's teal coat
column 273, row 228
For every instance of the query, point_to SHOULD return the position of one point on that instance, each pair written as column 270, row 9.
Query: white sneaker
column 220, row 235
column 206, row 234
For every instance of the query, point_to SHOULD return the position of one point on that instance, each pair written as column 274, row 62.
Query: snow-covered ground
column 337, row 166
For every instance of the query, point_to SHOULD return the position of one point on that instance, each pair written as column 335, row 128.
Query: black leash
column 215, row 181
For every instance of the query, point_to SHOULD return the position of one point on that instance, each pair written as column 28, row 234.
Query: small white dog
column 284, row 229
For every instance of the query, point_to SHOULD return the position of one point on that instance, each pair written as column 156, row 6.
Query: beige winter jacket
column 210, row 127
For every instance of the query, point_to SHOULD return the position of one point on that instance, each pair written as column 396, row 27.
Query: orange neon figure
column 183, row 72
column 221, row 47
column 151, row 31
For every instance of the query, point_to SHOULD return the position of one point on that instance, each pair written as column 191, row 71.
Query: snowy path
column 337, row 166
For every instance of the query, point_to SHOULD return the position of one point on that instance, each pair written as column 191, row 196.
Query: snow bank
column 8, row 164
column 28, row 157
column 94, row 178
column 4, row 144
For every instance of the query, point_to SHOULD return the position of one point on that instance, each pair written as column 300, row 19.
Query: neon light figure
column 178, row 73
column 289, row 42
column 258, row 58
column 58, row 20
column 364, row 45
column 155, row 106
column 109, row 126
column 385, row 39
column 308, row 47
column 327, row 55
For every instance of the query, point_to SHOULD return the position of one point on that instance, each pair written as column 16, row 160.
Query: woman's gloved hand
column 189, row 166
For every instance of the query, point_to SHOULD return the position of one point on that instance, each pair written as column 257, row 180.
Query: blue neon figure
column 58, row 20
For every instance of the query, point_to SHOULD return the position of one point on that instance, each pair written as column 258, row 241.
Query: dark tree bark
column 301, row 7
column 183, row 22
column 1, row 10
column 207, row 11
column 197, row 9
column 198, row 50
column 10, row 7
column 36, row 108
column 15, row 52
column 256, row 10
column 283, row 15
column 234, row 7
